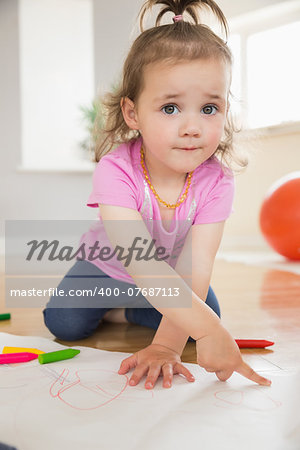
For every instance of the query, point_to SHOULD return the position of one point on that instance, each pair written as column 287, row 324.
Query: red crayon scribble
column 61, row 386
column 229, row 398
column 235, row 397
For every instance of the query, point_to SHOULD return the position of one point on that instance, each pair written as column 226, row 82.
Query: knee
column 66, row 324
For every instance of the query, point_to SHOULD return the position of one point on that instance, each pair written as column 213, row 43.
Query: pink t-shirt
column 119, row 180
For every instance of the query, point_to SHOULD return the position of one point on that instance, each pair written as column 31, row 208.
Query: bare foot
column 116, row 315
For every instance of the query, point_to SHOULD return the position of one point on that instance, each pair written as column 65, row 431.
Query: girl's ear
column 129, row 113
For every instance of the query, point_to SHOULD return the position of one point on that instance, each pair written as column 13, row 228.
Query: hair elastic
column 177, row 18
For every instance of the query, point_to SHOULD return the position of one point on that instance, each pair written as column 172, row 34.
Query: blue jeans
column 6, row 447
column 65, row 317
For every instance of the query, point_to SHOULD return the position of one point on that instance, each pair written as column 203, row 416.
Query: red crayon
column 253, row 343
column 11, row 358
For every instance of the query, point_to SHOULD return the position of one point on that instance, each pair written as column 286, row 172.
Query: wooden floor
column 255, row 303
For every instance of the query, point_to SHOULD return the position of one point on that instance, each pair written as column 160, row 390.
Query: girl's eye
column 169, row 109
column 210, row 110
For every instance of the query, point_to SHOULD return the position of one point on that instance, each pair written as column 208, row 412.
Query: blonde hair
column 172, row 43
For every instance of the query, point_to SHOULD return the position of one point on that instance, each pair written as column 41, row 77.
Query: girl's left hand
column 151, row 361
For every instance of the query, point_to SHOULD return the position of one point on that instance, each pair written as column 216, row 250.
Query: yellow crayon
column 21, row 349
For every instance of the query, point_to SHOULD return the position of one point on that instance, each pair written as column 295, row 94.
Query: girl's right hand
column 152, row 361
column 218, row 352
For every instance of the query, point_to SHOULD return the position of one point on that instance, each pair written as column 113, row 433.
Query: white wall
column 271, row 157
column 28, row 195
column 233, row 8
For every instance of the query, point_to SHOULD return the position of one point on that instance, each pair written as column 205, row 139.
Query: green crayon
column 5, row 316
column 46, row 358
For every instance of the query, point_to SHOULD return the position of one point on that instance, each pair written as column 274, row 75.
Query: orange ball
column 280, row 216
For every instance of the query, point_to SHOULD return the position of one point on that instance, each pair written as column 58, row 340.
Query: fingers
column 179, row 368
column 127, row 364
column 245, row 370
column 223, row 375
column 249, row 373
column 167, row 371
column 138, row 374
column 153, row 374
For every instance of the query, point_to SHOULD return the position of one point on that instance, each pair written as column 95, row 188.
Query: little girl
column 168, row 180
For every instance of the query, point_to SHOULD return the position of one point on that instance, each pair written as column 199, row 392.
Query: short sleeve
column 112, row 184
column 216, row 206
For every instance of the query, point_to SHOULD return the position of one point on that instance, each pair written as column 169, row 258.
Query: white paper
column 83, row 403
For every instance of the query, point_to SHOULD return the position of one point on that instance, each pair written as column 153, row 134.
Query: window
column 273, row 76
column 266, row 69
column 56, row 78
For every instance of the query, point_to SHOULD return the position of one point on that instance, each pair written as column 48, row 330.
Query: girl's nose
column 190, row 127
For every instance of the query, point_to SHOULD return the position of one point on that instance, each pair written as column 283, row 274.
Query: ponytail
column 179, row 7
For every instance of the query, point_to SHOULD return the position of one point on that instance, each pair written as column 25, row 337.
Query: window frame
column 27, row 150
column 251, row 23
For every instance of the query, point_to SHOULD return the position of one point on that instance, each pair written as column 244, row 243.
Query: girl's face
column 181, row 106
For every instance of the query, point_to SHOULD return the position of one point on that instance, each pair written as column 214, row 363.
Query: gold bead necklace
column 168, row 205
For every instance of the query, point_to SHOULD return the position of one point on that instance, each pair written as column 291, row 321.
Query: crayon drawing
column 97, row 392
column 255, row 399
column 84, row 403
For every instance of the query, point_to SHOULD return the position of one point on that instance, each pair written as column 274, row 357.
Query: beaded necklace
column 168, row 205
